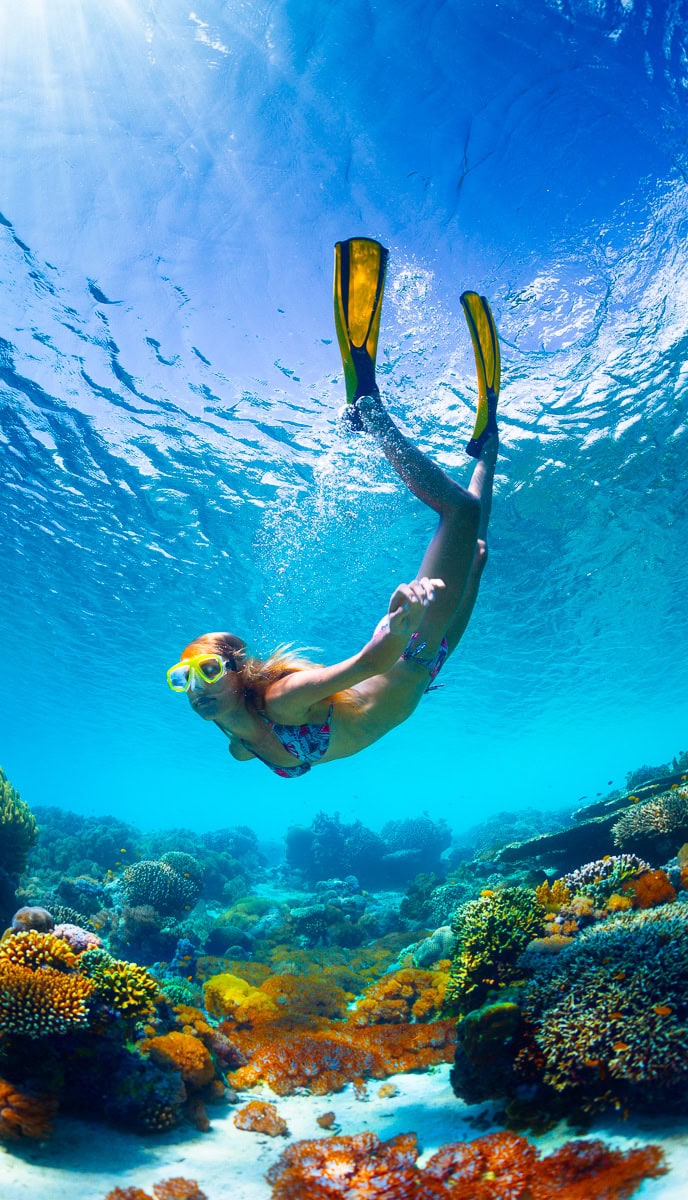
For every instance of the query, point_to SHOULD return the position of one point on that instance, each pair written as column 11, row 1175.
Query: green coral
column 18, row 828
column 126, row 989
column 491, row 934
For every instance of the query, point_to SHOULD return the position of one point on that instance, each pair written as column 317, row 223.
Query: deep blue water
column 171, row 184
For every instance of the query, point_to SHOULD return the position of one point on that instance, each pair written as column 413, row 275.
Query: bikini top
column 307, row 743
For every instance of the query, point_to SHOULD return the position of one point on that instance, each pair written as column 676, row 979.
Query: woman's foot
column 365, row 415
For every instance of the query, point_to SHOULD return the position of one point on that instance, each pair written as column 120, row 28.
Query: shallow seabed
column 83, row 1161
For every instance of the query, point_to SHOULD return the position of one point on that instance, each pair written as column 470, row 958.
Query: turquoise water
column 172, row 183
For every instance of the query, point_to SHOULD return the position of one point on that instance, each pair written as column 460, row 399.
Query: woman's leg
column 451, row 552
column 480, row 486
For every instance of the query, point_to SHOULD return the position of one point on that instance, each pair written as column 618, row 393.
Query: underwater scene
column 344, row 734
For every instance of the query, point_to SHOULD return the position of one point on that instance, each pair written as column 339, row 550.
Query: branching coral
column 553, row 895
column 33, row 949
column 39, row 1003
column 607, row 1016
column 259, row 1117
column 491, row 932
column 598, row 879
column 501, row 1164
column 23, row 1115
column 662, row 819
column 18, row 829
column 124, row 988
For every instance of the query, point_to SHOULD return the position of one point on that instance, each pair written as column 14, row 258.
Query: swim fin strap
column 485, row 341
column 359, row 284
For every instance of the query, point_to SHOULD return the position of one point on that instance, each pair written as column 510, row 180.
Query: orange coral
column 130, row 1193
column 22, row 1115
column 500, row 1164
column 178, row 1189
column 649, row 889
column 617, row 903
column 185, row 1053
column 406, row 995
column 46, row 1001
column 326, row 1060
column 259, row 1117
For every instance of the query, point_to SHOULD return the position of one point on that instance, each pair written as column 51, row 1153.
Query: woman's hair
column 256, row 674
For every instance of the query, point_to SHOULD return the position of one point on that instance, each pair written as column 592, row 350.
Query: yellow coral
column 553, row 896
column 37, row 1003
column 122, row 986
column 228, row 996
column 33, row 949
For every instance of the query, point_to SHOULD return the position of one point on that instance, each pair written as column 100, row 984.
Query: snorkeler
column 293, row 714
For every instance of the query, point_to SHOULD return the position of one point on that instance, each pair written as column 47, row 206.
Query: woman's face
column 211, row 700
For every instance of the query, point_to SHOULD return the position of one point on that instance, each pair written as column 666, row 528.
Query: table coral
column 23, row 1115
column 260, row 1117
column 503, row 1165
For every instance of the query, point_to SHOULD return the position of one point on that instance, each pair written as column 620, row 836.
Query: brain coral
column 608, row 1015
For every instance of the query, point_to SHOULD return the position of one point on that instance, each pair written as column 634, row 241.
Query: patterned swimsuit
column 307, row 743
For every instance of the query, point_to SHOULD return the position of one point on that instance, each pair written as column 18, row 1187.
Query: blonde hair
column 256, row 674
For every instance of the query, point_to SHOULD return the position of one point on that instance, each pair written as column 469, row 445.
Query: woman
column 292, row 714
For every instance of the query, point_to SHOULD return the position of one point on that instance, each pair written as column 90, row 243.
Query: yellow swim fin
column 359, row 284
column 485, row 341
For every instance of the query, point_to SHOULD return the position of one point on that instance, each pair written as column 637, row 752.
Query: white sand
column 84, row 1161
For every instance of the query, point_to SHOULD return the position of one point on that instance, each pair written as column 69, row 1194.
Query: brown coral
column 186, row 1053
column 260, row 1117
column 130, row 1193
column 22, row 1115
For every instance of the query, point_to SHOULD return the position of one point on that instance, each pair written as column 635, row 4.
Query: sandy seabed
column 85, row 1161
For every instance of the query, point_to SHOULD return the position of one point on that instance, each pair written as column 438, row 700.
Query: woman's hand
column 408, row 603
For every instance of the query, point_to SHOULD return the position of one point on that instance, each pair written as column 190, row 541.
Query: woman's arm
column 290, row 698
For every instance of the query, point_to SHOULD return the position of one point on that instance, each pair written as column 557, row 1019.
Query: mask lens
column 178, row 677
column 210, row 669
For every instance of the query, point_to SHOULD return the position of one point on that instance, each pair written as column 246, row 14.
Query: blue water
column 172, row 181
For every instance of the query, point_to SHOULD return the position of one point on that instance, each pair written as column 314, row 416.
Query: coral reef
column 24, row 1115
column 657, row 827
column 158, row 884
column 184, row 1053
column 404, row 996
column 169, row 1189
column 491, row 932
column 18, row 829
column 126, row 990
column 38, row 1003
column 35, row 917
column 600, row 878
column 501, row 1165
column 260, row 1117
